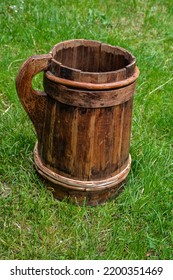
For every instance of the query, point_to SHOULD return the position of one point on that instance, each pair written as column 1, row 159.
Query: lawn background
column 139, row 223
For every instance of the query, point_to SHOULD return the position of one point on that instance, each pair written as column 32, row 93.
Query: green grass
column 139, row 223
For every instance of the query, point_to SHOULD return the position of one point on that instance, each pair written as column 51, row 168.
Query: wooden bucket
column 82, row 119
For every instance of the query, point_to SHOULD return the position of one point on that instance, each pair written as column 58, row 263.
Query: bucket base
column 79, row 191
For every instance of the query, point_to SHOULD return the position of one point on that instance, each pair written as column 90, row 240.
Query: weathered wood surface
column 83, row 118
column 33, row 101
column 93, row 86
column 91, row 192
column 91, row 62
column 88, row 98
column 86, row 143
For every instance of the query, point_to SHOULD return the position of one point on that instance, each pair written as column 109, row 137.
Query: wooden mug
column 82, row 118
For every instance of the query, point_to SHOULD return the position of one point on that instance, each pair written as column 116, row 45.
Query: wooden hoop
column 78, row 184
column 92, row 86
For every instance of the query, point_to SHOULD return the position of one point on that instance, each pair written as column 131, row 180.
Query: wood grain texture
column 90, row 192
column 88, row 98
column 93, row 86
column 33, row 101
column 83, row 118
column 86, row 143
column 91, row 62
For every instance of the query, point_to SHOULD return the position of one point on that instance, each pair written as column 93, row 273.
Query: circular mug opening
column 91, row 61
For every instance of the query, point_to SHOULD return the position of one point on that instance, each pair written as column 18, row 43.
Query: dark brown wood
column 33, row 101
column 82, row 119
column 89, row 192
column 88, row 98
column 91, row 62
column 93, row 86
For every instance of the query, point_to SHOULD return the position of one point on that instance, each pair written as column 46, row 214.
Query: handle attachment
column 33, row 101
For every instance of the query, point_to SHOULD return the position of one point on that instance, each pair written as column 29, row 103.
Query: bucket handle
column 33, row 101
